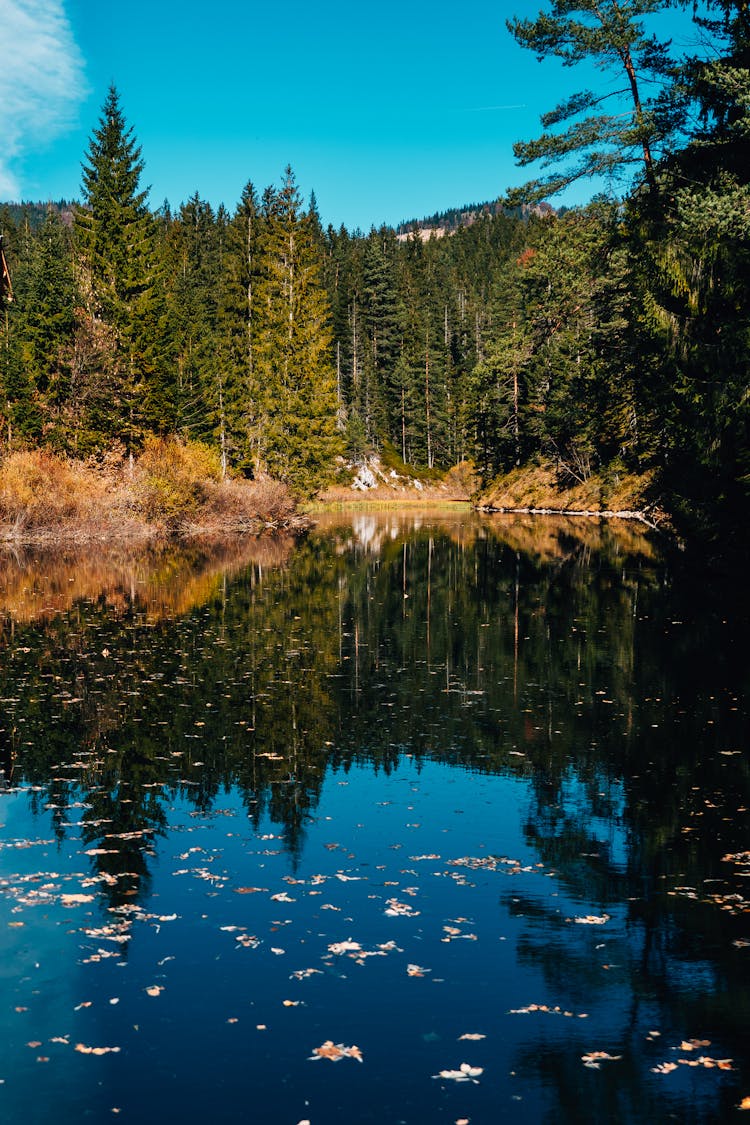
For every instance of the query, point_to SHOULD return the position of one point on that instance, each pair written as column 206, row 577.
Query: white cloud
column 41, row 81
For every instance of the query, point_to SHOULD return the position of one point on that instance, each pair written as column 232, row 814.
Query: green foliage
column 607, row 339
column 292, row 383
column 114, row 239
column 172, row 477
column 615, row 127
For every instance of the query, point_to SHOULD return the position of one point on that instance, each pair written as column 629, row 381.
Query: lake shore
column 175, row 492
column 172, row 492
column 544, row 490
column 527, row 490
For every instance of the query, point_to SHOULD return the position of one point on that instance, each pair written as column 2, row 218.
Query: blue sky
column 388, row 112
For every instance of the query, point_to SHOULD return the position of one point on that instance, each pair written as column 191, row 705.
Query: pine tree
column 293, row 383
column 237, row 423
column 606, row 138
column 114, row 235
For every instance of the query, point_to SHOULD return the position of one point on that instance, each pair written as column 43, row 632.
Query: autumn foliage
column 174, row 488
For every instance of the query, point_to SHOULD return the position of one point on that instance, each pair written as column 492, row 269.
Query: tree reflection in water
column 557, row 652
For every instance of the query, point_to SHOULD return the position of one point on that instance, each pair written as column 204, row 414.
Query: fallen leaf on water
column 556, row 1011
column 416, row 971
column 34, row 1044
column 472, row 1035
column 249, row 941
column 744, row 1104
column 335, row 1052
column 75, row 900
column 155, row 989
column 340, row 947
column 594, row 1058
column 592, row 919
column 692, row 1044
column 291, row 1003
column 396, row 909
column 465, row 1073
column 664, row 1068
column 84, row 1050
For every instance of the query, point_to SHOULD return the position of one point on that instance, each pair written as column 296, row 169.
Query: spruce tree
column 114, row 236
column 293, row 382
column 237, row 422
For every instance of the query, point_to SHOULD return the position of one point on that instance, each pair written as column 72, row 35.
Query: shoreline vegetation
column 539, row 490
column 174, row 491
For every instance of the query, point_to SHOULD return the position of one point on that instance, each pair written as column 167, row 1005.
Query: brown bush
column 172, row 479
column 38, row 488
column 239, row 505
column 174, row 488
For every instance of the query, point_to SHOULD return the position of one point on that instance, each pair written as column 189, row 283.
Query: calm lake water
column 423, row 819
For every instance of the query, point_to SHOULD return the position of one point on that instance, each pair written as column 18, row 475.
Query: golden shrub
column 172, row 478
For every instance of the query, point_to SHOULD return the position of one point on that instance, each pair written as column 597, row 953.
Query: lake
column 423, row 818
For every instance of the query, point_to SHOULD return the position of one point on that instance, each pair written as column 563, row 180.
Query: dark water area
column 422, row 819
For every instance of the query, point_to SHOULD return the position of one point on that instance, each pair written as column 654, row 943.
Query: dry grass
column 39, row 491
column 458, row 484
column 539, row 488
column 174, row 489
column 240, row 505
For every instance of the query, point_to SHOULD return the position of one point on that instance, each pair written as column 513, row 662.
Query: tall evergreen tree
column 237, row 419
column 609, row 130
column 114, row 235
column 293, row 383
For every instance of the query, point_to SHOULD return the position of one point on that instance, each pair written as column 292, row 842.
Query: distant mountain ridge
column 446, row 222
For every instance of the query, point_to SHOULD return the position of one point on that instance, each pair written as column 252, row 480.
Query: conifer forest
column 612, row 338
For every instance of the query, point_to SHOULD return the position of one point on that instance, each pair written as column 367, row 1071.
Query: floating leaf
column 335, row 1052
column 594, row 1058
column 339, row 947
column 465, row 1073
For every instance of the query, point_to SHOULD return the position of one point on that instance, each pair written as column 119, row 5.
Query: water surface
column 423, row 819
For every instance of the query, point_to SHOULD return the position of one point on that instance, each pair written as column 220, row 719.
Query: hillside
column 446, row 222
